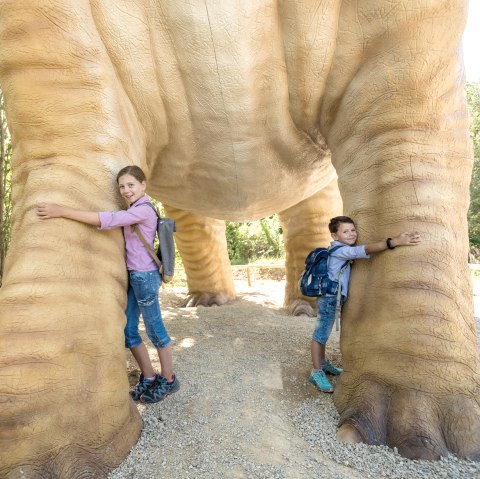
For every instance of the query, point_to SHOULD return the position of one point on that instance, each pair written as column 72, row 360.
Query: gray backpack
column 164, row 257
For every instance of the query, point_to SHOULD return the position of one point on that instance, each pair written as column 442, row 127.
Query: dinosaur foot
column 68, row 454
column 419, row 425
column 299, row 307
column 206, row 299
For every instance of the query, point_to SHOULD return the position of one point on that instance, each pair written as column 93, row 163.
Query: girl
column 144, row 280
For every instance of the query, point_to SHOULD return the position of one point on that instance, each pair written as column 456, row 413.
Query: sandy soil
column 246, row 409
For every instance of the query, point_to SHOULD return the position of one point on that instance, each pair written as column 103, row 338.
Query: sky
column 471, row 42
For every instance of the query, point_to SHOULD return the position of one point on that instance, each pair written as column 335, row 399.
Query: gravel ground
column 245, row 408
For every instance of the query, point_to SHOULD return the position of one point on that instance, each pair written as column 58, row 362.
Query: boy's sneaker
column 329, row 368
column 320, row 381
column 142, row 386
column 161, row 390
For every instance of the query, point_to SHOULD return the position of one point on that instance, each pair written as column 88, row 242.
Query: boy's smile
column 346, row 233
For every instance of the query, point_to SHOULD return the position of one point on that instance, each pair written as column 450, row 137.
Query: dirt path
column 245, row 409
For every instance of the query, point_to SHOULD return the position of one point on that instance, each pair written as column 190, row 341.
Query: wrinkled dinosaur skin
column 236, row 110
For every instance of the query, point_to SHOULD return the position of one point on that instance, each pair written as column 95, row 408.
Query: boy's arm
column 403, row 239
column 51, row 210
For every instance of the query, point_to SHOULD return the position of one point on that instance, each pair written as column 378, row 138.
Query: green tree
column 247, row 242
column 472, row 91
column 5, row 186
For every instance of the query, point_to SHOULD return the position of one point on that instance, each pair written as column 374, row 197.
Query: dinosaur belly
column 229, row 106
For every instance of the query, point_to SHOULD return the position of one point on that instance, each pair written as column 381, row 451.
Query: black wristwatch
column 389, row 244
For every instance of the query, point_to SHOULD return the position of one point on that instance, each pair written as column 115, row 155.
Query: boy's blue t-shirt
column 337, row 259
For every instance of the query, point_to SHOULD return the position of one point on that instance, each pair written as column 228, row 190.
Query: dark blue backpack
column 314, row 280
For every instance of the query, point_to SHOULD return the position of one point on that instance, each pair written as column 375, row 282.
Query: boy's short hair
column 335, row 222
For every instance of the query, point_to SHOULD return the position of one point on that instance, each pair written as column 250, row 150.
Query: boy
column 344, row 234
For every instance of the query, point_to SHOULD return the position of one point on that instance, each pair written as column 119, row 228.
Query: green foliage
column 472, row 91
column 247, row 242
column 158, row 205
column 5, row 186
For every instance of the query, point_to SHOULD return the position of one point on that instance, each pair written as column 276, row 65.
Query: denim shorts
column 142, row 297
column 326, row 306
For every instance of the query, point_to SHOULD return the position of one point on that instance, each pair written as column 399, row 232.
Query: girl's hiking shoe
column 329, row 368
column 143, row 386
column 161, row 390
column 320, row 381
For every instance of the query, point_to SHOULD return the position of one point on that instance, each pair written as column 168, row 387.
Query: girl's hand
column 52, row 210
column 48, row 210
column 406, row 239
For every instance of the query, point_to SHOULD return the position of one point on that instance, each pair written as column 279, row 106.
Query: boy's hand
column 48, row 210
column 403, row 239
column 406, row 239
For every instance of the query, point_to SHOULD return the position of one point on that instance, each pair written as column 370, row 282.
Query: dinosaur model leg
column 64, row 404
column 305, row 227
column 399, row 142
column 203, row 248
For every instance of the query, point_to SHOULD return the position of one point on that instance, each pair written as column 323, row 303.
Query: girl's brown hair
column 133, row 170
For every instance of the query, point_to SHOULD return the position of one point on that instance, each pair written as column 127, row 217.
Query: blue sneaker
column 320, row 381
column 160, row 391
column 329, row 368
column 143, row 386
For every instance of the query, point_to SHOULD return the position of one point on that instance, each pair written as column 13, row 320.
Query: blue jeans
column 325, row 317
column 142, row 297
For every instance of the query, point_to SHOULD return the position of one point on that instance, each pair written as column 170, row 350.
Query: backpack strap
column 331, row 249
column 153, row 208
column 338, row 306
column 165, row 260
column 134, row 229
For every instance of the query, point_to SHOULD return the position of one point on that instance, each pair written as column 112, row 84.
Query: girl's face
column 131, row 189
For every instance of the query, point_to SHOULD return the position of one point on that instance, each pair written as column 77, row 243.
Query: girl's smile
column 130, row 188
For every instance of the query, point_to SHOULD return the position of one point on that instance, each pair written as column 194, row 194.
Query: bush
column 472, row 91
column 247, row 242
column 5, row 186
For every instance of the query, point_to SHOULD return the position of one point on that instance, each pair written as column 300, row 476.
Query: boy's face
column 346, row 234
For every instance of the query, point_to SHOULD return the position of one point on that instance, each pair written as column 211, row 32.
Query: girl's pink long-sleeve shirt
column 142, row 215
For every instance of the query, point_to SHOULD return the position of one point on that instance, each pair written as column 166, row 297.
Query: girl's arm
column 403, row 239
column 51, row 210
